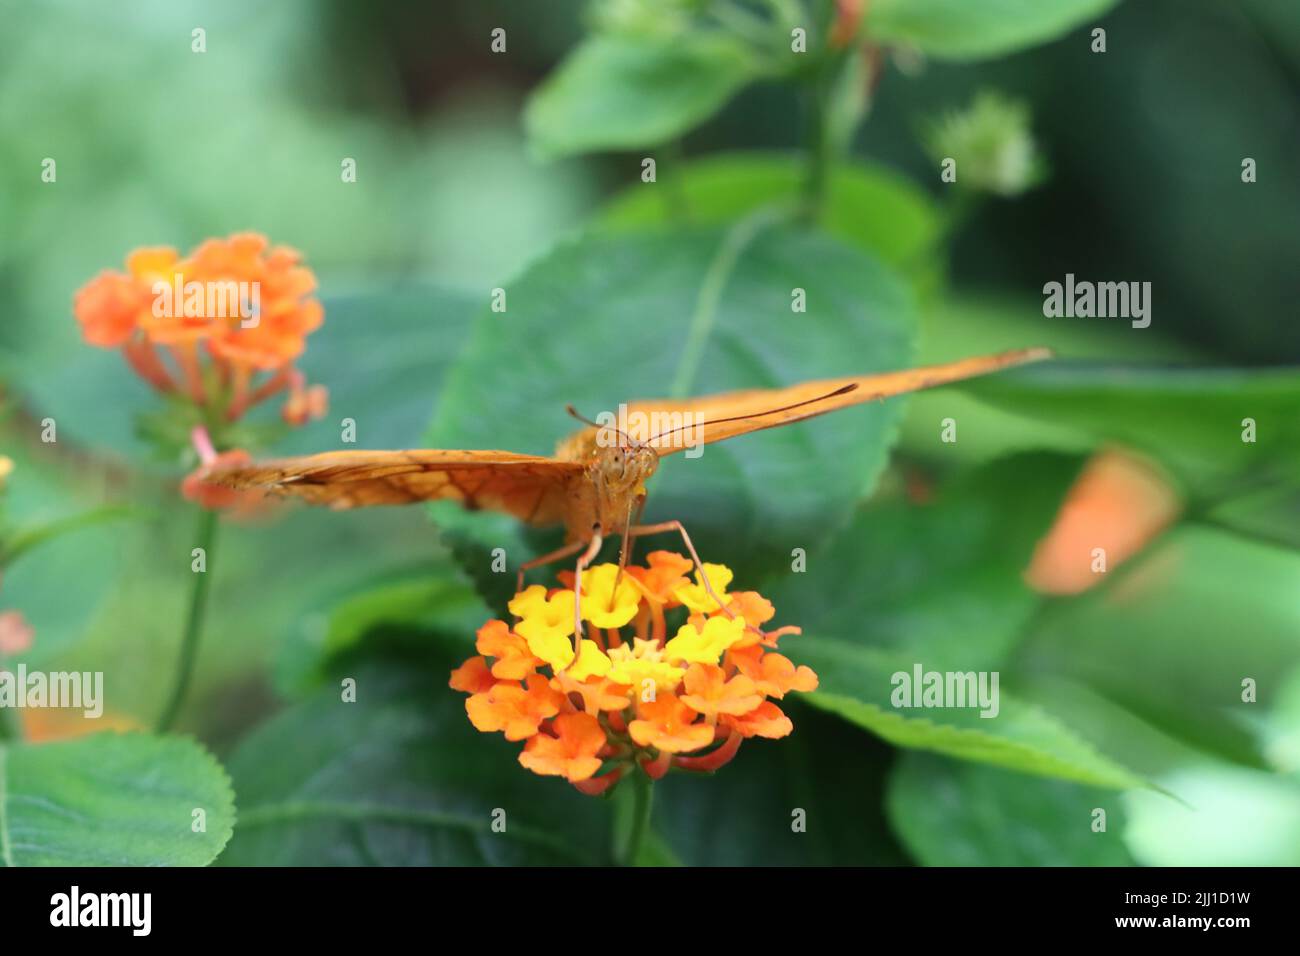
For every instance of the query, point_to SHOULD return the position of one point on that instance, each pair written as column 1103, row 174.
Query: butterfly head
column 624, row 466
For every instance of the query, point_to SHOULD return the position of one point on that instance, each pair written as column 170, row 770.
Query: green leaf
column 112, row 800
column 939, row 587
column 1113, row 728
column 976, row 324
column 26, row 538
column 604, row 320
column 746, row 813
column 617, row 92
column 384, row 353
column 961, row 30
column 940, row 581
column 1231, row 817
column 44, row 495
column 472, row 540
column 400, row 777
column 856, row 683
column 1189, row 419
column 1269, row 514
column 1280, row 730
column 965, row 814
column 402, row 609
column 1211, row 609
column 867, row 206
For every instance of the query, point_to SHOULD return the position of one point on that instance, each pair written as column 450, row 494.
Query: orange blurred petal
column 108, row 308
column 215, row 497
column 1119, row 503
column 15, row 633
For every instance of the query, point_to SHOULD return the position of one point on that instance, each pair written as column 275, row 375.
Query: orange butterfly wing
column 540, row 490
column 714, row 418
column 532, row 488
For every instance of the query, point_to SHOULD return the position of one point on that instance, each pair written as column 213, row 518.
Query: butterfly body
column 611, row 487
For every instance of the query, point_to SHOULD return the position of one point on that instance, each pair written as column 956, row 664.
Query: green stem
column 10, row 729
column 207, row 535
column 819, row 150
column 642, row 804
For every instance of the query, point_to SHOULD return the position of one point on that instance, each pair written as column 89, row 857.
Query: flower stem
column 642, row 803
column 819, row 153
column 10, row 729
column 207, row 535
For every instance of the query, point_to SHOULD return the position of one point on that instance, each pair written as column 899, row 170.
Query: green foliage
column 619, row 92
column 958, row 30
column 866, row 206
column 1185, row 674
column 418, row 608
column 399, row 778
column 112, row 800
column 1230, row 817
column 965, row 323
column 939, row 581
column 951, row 814
column 1192, row 420
column 1022, row 736
column 826, row 779
column 1127, row 698
column 16, row 542
column 946, row 595
column 608, row 319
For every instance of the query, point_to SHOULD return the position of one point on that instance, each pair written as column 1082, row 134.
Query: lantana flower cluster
column 632, row 696
column 219, row 328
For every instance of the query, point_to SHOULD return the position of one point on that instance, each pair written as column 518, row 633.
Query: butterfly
column 595, row 483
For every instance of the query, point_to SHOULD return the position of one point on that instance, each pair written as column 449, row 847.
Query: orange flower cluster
column 638, row 699
column 220, row 327
column 248, row 306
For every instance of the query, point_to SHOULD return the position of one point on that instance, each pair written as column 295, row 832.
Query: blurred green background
column 1143, row 144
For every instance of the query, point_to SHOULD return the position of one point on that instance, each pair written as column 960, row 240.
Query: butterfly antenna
column 842, row 390
column 587, row 421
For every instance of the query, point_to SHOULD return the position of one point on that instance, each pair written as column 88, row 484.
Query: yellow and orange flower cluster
column 638, row 698
column 221, row 327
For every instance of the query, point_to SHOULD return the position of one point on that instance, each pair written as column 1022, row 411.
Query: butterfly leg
column 556, row 555
column 634, row 512
column 584, row 559
column 665, row 526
